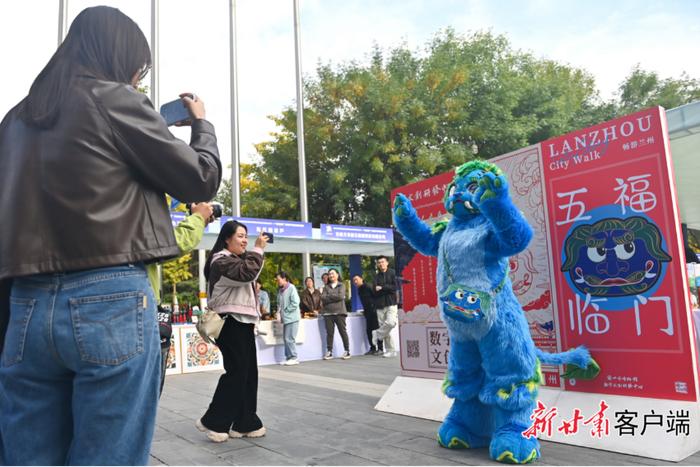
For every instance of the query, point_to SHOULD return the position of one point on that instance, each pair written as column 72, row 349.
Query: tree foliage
column 644, row 89
column 177, row 270
column 405, row 116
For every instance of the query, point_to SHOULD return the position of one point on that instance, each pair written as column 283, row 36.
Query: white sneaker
column 259, row 433
column 374, row 338
column 390, row 354
column 291, row 361
column 213, row 436
column 328, row 355
column 346, row 355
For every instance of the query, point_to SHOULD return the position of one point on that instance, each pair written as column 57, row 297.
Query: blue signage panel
column 279, row 228
column 356, row 233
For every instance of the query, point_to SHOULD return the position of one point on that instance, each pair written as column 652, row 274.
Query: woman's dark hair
column 227, row 230
column 102, row 42
column 340, row 279
column 283, row 275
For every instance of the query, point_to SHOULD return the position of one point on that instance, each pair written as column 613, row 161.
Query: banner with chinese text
column 619, row 268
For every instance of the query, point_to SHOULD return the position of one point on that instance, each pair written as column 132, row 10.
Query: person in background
column 324, row 279
column 188, row 234
column 385, row 302
column 231, row 272
column 288, row 313
column 85, row 162
column 263, row 300
column 334, row 313
column 367, row 299
column 310, row 299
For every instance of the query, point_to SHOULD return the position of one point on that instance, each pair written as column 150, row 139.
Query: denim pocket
column 108, row 328
column 20, row 314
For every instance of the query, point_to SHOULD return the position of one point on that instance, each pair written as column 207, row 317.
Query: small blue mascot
column 493, row 373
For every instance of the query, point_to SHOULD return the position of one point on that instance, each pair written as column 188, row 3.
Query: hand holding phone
column 175, row 112
column 182, row 111
column 270, row 237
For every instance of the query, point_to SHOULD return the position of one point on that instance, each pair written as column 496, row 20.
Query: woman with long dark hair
column 334, row 313
column 85, row 162
column 231, row 272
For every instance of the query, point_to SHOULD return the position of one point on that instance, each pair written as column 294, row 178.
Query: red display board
column 618, row 262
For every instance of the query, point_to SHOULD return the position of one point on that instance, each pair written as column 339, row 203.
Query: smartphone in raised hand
column 174, row 112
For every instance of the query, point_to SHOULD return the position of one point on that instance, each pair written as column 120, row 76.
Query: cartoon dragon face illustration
column 615, row 257
column 461, row 197
column 464, row 305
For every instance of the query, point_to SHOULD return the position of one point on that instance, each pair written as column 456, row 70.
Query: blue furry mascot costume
column 493, row 373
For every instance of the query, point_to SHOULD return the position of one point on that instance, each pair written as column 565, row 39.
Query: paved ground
column 321, row 413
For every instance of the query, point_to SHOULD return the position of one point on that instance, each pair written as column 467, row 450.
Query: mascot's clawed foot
column 454, row 432
column 511, row 447
column 455, row 436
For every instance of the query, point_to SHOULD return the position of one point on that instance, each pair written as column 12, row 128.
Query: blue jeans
column 290, row 335
column 79, row 372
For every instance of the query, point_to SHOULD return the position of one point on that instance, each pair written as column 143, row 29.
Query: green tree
column 643, row 89
column 177, row 270
column 404, row 117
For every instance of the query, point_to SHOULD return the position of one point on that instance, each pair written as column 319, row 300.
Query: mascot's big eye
column 472, row 299
column 471, row 188
column 459, row 294
column 625, row 251
column 596, row 254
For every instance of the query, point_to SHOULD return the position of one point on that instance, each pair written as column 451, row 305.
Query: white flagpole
column 305, row 257
column 235, row 150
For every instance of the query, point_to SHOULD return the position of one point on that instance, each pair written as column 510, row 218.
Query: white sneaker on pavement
column 390, row 354
column 213, row 436
column 291, row 361
column 346, row 355
column 328, row 355
column 259, row 433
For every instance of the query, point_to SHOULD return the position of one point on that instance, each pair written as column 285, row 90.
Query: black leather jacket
column 387, row 296
column 89, row 192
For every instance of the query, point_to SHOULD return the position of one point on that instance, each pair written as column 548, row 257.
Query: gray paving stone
column 340, row 458
column 255, row 455
column 310, row 423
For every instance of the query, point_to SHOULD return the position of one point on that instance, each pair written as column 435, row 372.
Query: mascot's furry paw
column 492, row 188
column 402, row 206
column 572, row 371
column 511, row 447
column 454, row 436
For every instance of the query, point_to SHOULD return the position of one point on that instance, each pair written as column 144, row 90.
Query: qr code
column 412, row 349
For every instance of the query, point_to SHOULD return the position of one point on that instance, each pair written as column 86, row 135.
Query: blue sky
column 605, row 38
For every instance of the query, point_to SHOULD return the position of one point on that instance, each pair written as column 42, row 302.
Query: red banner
column 619, row 268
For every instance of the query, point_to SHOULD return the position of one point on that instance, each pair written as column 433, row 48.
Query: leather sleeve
column 190, row 173
column 240, row 269
column 306, row 300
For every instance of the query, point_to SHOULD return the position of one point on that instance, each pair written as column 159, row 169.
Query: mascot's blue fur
column 493, row 372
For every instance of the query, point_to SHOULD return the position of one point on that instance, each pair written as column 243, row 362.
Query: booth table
column 189, row 353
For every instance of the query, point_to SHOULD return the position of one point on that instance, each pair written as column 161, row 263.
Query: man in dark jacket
column 385, row 302
column 370, row 312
